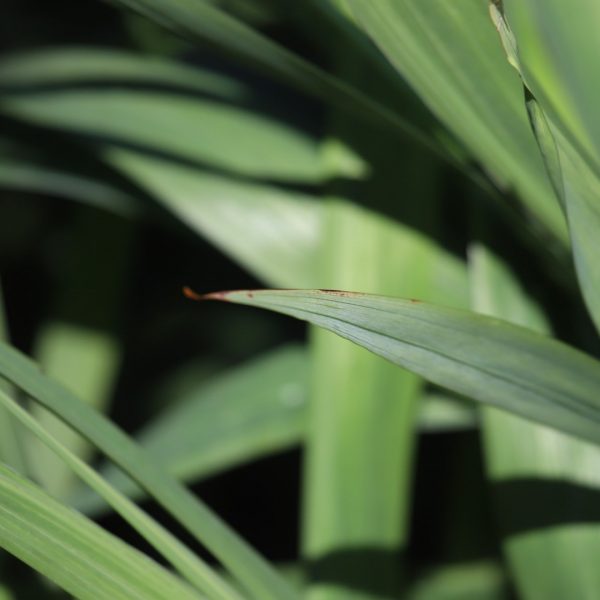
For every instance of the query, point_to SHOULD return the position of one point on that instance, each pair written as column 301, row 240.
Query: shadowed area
column 375, row 570
column 529, row 504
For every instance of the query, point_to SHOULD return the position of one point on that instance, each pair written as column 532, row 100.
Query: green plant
column 440, row 160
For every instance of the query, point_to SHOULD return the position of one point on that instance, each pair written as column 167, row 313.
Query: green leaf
column 243, row 414
column 540, row 477
column 202, row 22
column 247, row 566
column 74, row 552
column 236, row 417
column 272, row 232
column 558, row 49
column 451, row 55
column 77, row 342
column 482, row 358
column 159, row 106
column 439, row 412
column 189, row 565
column 358, row 467
column 11, row 442
column 468, row 581
column 32, row 176
column 556, row 107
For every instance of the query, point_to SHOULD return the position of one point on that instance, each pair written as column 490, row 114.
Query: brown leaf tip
column 188, row 292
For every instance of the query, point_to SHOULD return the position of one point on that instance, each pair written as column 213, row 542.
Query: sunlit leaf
column 74, row 552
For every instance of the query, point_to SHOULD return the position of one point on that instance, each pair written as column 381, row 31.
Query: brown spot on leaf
column 337, row 292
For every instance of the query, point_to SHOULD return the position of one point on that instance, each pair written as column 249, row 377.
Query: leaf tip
column 188, row 292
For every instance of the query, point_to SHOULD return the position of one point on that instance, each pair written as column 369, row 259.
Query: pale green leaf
column 189, row 565
column 244, row 414
column 158, row 106
column 558, row 50
column 551, row 551
column 74, row 552
column 234, row 418
column 272, row 232
column 205, row 23
column 244, row 563
column 451, row 55
column 560, row 112
column 467, row 581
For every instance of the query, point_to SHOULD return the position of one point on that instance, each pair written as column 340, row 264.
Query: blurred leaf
column 188, row 564
column 11, row 443
column 77, row 342
column 243, row 562
column 243, row 414
column 452, row 57
column 358, row 467
column 6, row 594
column 558, row 47
column 482, row 358
column 205, row 23
column 540, row 477
column 469, row 581
column 74, row 552
column 440, row 412
column 561, row 130
column 272, row 232
column 239, row 416
column 160, row 107
column 29, row 175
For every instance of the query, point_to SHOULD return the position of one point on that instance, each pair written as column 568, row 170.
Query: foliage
column 438, row 160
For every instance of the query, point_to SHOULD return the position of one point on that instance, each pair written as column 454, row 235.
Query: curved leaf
column 185, row 113
column 249, row 568
column 77, row 554
column 451, row 55
column 483, row 358
column 551, row 551
column 205, row 23
column 562, row 93
column 188, row 564
column 239, row 416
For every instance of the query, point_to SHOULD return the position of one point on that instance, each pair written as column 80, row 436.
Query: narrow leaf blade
column 482, row 358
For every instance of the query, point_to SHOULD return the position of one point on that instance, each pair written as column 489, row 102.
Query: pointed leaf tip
column 188, row 292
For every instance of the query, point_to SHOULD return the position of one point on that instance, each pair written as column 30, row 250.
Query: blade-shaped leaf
column 28, row 175
column 250, row 569
column 560, row 128
column 274, row 233
column 246, row 413
column 551, row 551
column 189, row 565
column 79, row 347
column 203, row 22
column 74, row 552
column 451, row 56
column 191, row 115
column 467, row 581
column 482, row 358
column 558, row 49
column 241, row 415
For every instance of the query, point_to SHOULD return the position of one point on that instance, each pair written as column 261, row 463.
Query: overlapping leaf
column 451, row 56
column 74, row 552
column 563, row 113
column 482, row 358
column 543, row 482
